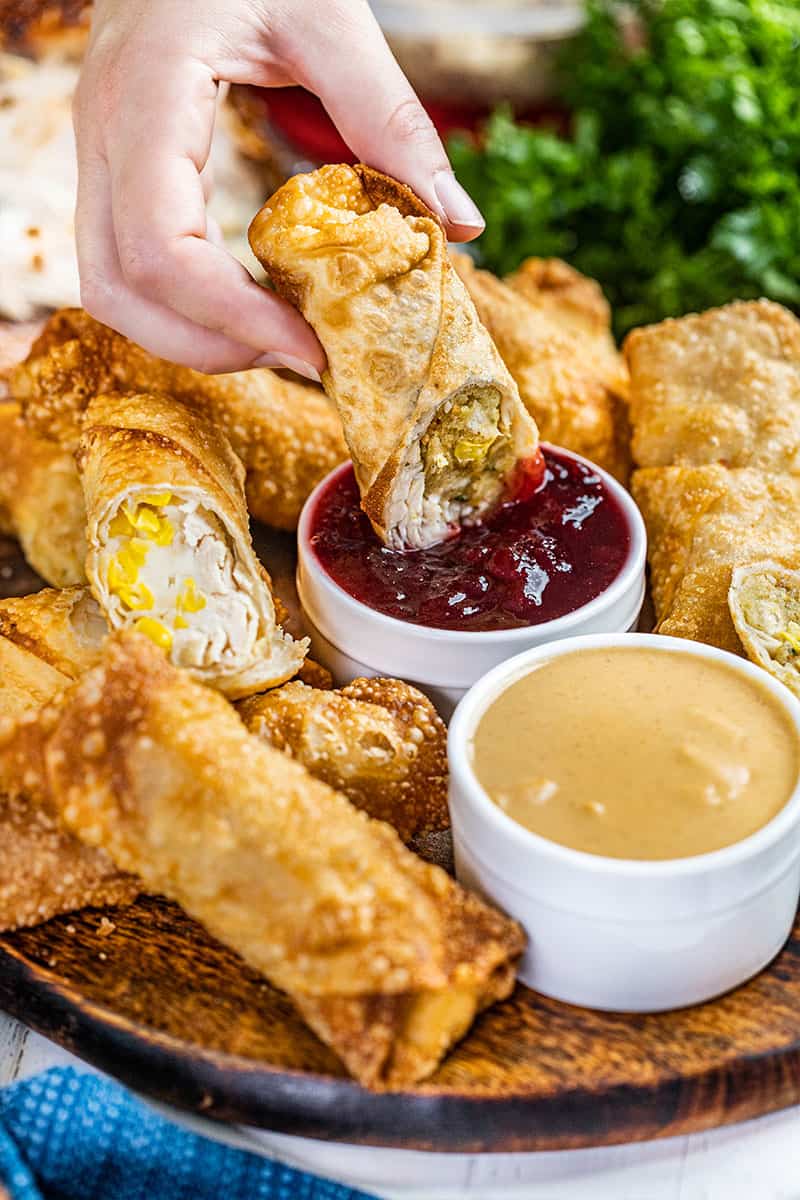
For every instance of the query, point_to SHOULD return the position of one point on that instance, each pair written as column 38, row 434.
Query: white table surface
column 758, row 1160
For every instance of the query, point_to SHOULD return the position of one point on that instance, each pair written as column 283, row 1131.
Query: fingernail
column 289, row 363
column 458, row 207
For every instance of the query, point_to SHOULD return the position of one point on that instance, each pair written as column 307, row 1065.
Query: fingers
column 382, row 120
column 147, row 267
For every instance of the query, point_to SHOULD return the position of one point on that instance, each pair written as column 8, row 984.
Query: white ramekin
column 616, row 934
column 351, row 639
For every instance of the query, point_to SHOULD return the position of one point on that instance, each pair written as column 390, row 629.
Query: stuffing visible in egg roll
column 764, row 600
column 46, row 640
column 386, row 957
column 573, row 383
column 287, row 434
column 702, row 522
column 170, row 553
column 723, row 387
column 436, row 429
column 379, row 741
column 41, row 502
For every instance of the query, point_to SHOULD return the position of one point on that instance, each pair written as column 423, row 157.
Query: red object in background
column 300, row 118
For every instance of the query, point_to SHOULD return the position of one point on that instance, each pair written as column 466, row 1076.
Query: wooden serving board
column 146, row 995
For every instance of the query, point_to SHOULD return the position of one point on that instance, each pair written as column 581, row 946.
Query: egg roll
column 573, row 383
column 702, row 523
column 764, row 601
column 573, row 301
column 378, row 741
column 170, row 552
column 46, row 640
column 41, row 501
column 287, row 434
column 385, row 956
column 722, row 387
column 435, row 426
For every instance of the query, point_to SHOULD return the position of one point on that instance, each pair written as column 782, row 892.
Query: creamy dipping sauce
column 637, row 753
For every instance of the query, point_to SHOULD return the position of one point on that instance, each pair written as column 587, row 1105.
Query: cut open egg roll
column 722, row 386
column 764, row 601
column 41, row 502
column 573, row 382
column 379, row 741
column 386, row 957
column 702, row 523
column 287, row 434
column 46, row 640
column 436, row 429
column 170, row 553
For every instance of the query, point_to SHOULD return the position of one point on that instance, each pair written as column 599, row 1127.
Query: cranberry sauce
column 532, row 560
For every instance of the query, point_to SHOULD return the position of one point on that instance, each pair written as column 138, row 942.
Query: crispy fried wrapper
column 387, row 958
column 702, row 522
column 575, row 302
column 723, row 387
column 41, row 502
column 170, row 552
column 572, row 381
column 434, row 422
column 764, row 601
column 287, row 434
column 379, row 741
column 45, row 641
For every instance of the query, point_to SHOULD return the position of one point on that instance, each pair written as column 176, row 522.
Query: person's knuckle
column 409, row 124
column 142, row 263
column 95, row 295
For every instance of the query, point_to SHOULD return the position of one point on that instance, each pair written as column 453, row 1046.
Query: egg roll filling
column 173, row 575
column 454, row 472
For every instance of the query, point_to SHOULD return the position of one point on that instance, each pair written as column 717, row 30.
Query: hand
column 150, row 264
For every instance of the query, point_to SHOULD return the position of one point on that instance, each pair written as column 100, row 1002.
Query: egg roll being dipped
column 287, row 434
column 385, row 956
column 573, row 382
column 436, row 429
column 170, row 552
column 46, row 640
column 41, row 502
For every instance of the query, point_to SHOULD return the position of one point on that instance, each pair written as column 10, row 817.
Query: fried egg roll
column 287, row 434
column 702, row 523
column 41, row 502
column 573, row 383
column 435, row 426
column 170, row 553
column 386, row 957
column 46, row 640
column 722, row 387
column 574, row 302
column 379, row 741
column 764, row 601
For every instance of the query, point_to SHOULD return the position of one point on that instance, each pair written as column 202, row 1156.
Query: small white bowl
column 351, row 639
column 619, row 934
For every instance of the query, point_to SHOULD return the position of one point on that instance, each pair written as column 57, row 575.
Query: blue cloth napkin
column 66, row 1135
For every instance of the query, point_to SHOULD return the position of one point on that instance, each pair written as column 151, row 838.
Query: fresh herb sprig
column 678, row 186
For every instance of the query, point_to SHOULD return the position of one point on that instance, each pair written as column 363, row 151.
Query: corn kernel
column 156, row 499
column 136, row 596
column 121, row 575
column 190, row 600
column 120, row 526
column 791, row 635
column 147, row 521
column 166, row 532
column 180, row 623
column 131, row 558
column 467, row 450
column 157, row 632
